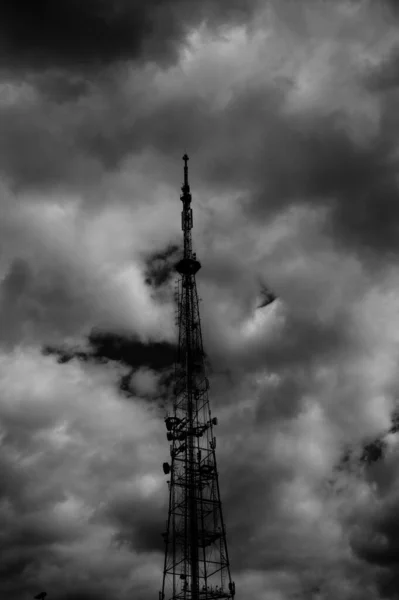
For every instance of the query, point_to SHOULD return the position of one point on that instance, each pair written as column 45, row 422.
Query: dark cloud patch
column 130, row 351
column 16, row 563
column 373, row 452
column 349, row 462
column 139, row 523
column 125, row 350
column 160, row 266
column 267, row 296
column 64, row 356
column 395, row 421
column 97, row 32
column 382, row 546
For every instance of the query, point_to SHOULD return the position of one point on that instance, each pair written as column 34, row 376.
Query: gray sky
column 288, row 111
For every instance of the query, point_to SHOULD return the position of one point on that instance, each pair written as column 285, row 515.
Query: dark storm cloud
column 131, row 352
column 123, row 349
column 70, row 33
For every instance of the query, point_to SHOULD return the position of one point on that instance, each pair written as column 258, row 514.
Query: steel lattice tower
column 196, row 563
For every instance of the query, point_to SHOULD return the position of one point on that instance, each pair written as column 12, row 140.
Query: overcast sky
column 289, row 113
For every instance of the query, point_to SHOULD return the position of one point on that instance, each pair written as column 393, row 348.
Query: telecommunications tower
column 196, row 563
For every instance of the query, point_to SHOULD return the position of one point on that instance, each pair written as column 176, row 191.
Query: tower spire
column 186, row 186
column 196, row 565
column 187, row 220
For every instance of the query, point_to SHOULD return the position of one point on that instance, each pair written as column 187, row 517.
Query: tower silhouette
column 196, row 563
